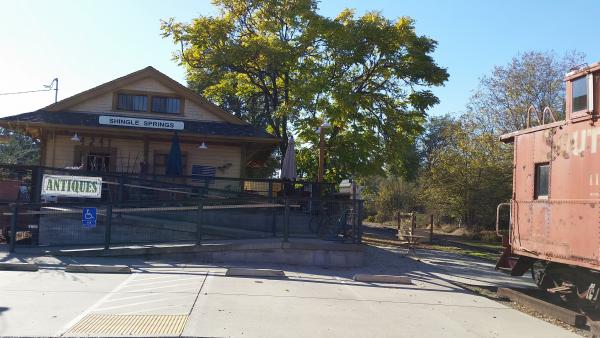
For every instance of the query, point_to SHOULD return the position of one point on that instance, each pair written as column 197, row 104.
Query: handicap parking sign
column 88, row 217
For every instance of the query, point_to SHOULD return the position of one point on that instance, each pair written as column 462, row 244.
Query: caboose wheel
column 540, row 276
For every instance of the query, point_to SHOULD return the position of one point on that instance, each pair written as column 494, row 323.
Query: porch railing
column 20, row 182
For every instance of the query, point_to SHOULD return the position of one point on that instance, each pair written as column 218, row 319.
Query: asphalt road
column 310, row 302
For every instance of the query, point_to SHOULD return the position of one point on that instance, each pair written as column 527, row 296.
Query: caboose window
column 579, row 93
column 542, row 182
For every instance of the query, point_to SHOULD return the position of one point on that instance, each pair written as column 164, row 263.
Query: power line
column 52, row 86
column 28, row 91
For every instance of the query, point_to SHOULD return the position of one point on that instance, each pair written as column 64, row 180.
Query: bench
column 410, row 239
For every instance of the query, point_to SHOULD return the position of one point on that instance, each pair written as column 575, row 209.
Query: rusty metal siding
column 565, row 227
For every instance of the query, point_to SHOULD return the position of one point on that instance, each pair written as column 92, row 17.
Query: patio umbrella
column 174, row 166
column 288, row 170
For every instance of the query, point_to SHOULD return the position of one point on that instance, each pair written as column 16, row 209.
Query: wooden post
column 398, row 222
column 431, row 228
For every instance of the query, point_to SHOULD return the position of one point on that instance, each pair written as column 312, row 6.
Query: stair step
column 563, row 289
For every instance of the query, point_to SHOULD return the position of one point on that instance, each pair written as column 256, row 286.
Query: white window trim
column 590, row 93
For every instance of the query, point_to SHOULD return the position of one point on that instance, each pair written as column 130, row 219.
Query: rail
column 127, row 186
column 541, row 118
column 498, row 208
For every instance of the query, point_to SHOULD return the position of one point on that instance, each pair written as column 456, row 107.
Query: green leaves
column 466, row 173
column 18, row 149
column 280, row 65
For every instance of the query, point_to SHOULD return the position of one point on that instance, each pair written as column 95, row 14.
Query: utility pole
column 51, row 85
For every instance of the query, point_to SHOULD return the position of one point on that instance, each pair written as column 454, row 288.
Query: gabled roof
column 148, row 72
column 90, row 119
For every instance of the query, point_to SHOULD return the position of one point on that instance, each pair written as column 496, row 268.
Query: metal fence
column 22, row 183
column 190, row 220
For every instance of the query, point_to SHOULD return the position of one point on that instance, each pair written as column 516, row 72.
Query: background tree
column 18, row 149
column 280, row 65
column 469, row 176
column 502, row 98
column 466, row 170
column 386, row 195
column 436, row 136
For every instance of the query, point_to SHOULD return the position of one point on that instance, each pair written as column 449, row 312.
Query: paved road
column 311, row 302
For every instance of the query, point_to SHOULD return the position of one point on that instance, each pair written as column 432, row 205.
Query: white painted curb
column 18, row 267
column 382, row 279
column 88, row 268
column 245, row 272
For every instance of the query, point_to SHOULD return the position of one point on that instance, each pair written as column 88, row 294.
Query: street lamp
column 322, row 151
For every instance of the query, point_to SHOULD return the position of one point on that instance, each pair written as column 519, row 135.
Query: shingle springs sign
column 123, row 121
column 72, row 186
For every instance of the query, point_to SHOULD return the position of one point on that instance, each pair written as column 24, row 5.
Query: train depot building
column 128, row 125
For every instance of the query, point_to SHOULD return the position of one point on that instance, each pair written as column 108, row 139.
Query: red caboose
column 555, row 206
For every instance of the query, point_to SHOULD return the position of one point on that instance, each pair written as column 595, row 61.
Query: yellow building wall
column 104, row 103
column 148, row 85
column 227, row 159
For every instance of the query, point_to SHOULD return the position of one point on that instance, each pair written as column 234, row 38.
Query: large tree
column 503, row 97
column 279, row 64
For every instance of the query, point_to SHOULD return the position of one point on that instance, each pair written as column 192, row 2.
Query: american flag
column 203, row 171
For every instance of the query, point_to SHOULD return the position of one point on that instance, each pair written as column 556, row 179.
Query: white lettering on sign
column 72, row 186
column 141, row 123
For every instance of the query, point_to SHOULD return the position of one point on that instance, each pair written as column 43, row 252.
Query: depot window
column 542, row 180
column 132, row 102
column 162, row 104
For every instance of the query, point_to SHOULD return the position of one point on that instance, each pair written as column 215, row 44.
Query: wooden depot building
column 127, row 125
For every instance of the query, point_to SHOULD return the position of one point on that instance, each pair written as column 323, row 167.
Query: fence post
column 270, row 191
column 13, row 227
column 37, row 174
column 108, row 227
column 359, row 220
column 199, row 222
column 121, row 190
column 286, row 221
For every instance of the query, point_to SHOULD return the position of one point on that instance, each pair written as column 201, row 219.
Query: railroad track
column 465, row 246
column 534, row 300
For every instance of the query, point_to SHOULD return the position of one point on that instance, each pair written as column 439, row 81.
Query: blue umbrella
column 174, row 166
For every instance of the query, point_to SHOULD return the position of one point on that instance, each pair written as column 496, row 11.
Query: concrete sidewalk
column 310, row 302
column 466, row 270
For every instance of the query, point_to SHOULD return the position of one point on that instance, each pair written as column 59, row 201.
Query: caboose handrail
column 541, row 118
column 498, row 216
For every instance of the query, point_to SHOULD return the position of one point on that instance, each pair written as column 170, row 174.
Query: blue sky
column 85, row 43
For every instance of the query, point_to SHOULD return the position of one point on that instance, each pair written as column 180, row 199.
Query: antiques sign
column 72, row 186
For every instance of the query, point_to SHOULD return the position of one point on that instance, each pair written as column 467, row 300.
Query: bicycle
column 327, row 225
